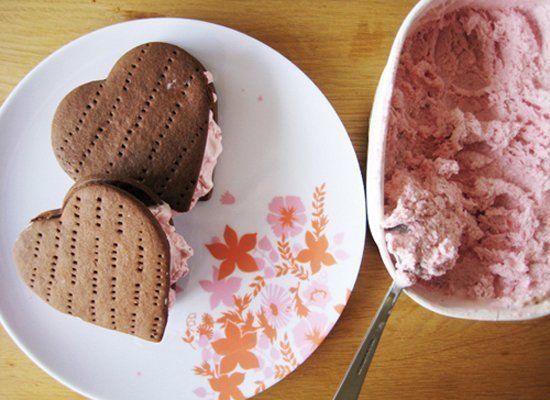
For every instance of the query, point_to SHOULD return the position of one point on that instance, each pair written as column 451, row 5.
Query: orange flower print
column 316, row 253
column 234, row 253
column 235, row 349
column 228, row 386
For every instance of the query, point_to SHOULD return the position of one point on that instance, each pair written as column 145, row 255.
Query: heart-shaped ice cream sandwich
column 108, row 257
column 153, row 119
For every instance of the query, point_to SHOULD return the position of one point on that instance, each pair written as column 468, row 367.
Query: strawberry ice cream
column 180, row 251
column 212, row 151
column 467, row 164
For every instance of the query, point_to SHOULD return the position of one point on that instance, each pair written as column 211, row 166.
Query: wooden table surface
column 343, row 47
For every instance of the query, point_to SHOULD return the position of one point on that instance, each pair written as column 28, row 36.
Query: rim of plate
column 75, row 42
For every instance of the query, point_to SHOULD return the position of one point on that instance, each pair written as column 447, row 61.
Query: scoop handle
column 353, row 380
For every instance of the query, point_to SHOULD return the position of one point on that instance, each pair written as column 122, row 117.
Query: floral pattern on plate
column 258, row 332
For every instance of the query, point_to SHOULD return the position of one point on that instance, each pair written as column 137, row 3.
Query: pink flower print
column 339, row 238
column 206, row 354
column 200, row 392
column 274, row 256
column 264, row 244
column 260, row 360
column 277, row 305
column 203, row 341
column 217, row 335
column 341, row 255
column 263, row 342
column 221, row 290
column 275, row 353
column 317, row 294
column 265, row 267
column 287, row 215
column 227, row 198
column 260, row 262
column 269, row 273
column 310, row 332
column 268, row 373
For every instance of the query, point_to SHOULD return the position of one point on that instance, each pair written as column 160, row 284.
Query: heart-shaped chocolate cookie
column 147, row 121
column 103, row 258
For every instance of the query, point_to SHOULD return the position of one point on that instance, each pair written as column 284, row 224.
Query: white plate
column 281, row 139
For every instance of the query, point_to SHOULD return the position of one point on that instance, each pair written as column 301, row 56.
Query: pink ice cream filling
column 211, row 153
column 180, row 251
column 467, row 166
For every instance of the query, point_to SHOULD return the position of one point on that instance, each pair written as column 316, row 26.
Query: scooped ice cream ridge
column 211, row 153
column 180, row 251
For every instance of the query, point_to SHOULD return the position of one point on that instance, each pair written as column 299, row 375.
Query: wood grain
column 343, row 47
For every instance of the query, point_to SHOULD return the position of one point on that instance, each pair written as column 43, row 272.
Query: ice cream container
column 453, row 306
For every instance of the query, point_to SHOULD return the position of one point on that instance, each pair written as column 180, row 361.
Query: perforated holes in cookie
column 37, row 243
column 53, row 262
column 155, row 327
column 73, row 245
column 78, row 126
column 140, row 252
column 159, row 281
column 101, row 129
column 119, row 222
column 138, row 121
column 156, row 142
